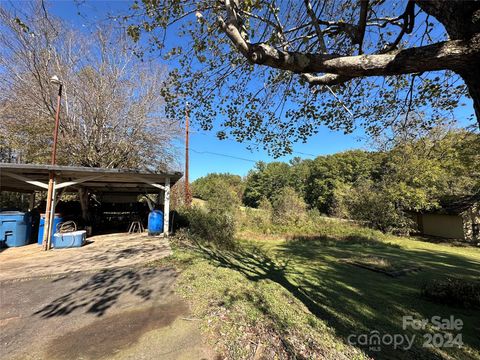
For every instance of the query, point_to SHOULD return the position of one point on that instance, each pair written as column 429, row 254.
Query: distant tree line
column 378, row 187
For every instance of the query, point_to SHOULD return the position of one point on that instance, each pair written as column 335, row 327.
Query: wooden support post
column 51, row 230
column 32, row 201
column 166, row 208
column 51, row 189
column 188, row 195
column 83, row 197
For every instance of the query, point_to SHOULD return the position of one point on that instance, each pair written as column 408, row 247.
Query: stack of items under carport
column 17, row 228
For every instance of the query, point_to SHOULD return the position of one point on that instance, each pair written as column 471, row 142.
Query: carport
column 28, row 178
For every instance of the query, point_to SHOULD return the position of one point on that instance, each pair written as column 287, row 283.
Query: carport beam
column 77, row 181
column 158, row 186
column 25, row 179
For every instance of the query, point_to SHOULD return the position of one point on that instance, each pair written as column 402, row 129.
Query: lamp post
column 54, row 80
column 50, row 208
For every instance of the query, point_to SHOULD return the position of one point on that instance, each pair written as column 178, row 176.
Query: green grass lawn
column 287, row 296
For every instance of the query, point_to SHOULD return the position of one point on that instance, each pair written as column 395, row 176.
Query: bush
column 215, row 222
column 214, row 227
column 288, row 207
column 375, row 206
column 263, row 220
column 453, row 292
column 258, row 219
column 341, row 200
column 222, row 199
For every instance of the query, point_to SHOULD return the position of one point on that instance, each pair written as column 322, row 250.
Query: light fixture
column 55, row 80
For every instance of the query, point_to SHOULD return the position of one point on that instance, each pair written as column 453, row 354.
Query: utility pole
column 188, row 197
column 50, row 208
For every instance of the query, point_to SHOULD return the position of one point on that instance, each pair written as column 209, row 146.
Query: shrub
column 214, row 227
column 375, row 206
column 214, row 223
column 453, row 292
column 265, row 205
column 222, row 199
column 341, row 200
column 288, row 207
column 258, row 219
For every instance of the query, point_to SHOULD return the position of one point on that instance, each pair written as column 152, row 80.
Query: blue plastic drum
column 57, row 220
column 155, row 222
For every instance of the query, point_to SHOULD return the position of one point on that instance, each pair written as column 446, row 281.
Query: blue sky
column 205, row 147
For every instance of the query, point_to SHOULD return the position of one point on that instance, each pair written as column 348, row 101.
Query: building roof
column 455, row 205
column 31, row 177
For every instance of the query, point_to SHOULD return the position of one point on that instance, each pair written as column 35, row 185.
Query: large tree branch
column 461, row 54
column 453, row 55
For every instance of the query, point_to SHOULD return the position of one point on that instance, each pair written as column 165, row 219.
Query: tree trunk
column 472, row 80
column 462, row 21
column 460, row 18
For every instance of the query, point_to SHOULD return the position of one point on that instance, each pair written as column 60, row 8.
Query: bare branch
column 408, row 23
column 316, row 25
column 327, row 79
column 261, row 18
column 362, row 25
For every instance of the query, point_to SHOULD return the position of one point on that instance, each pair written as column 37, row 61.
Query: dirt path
column 116, row 313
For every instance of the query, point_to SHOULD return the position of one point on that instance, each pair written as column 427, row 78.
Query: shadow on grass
column 358, row 301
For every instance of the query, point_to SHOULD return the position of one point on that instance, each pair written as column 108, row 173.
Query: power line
column 224, row 155
column 250, row 143
column 303, row 153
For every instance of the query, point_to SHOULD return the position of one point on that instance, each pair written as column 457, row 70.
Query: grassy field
column 298, row 296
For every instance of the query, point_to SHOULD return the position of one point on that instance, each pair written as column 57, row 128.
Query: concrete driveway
column 91, row 308
column 100, row 252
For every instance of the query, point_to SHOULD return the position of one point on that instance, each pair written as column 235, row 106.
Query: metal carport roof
column 31, row 177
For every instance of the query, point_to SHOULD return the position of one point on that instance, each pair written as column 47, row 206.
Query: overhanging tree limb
column 453, row 55
column 319, row 32
column 283, row 37
column 458, row 55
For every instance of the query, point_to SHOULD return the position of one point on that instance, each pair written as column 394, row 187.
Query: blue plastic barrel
column 56, row 220
column 155, row 222
column 15, row 228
